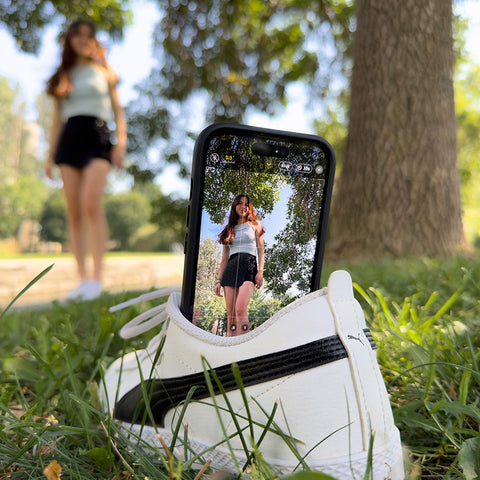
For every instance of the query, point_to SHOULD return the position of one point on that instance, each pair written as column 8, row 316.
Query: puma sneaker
column 304, row 389
column 86, row 290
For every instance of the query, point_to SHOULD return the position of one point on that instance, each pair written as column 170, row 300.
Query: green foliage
column 53, row 220
column 408, row 277
column 169, row 215
column 126, row 212
column 26, row 20
column 18, row 137
column 308, row 476
column 262, row 307
column 209, row 310
column 21, row 200
column 220, row 191
column 57, row 355
column 428, row 351
column 333, row 126
column 22, row 193
column 203, row 38
column 293, row 250
column 467, row 93
column 262, row 187
column 151, row 238
column 233, row 57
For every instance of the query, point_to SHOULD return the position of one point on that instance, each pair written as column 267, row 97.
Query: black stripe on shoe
column 165, row 394
column 369, row 336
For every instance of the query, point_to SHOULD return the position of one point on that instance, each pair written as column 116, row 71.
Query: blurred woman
column 84, row 97
column 239, row 274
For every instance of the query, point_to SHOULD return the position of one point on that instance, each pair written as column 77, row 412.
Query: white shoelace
column 146, row 320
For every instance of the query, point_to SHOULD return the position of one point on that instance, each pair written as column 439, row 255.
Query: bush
column 150, row 238
column 53, row 220
column 126, row 212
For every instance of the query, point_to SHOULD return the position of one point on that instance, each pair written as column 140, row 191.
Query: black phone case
column 194, row 209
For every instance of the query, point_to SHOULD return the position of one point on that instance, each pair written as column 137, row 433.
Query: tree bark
column 398, row 192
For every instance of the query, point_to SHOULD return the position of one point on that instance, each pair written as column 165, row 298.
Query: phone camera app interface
column 261, row 209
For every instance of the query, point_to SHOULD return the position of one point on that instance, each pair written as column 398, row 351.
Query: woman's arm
column 55, row 130
column 260, row 255
column 223, row 264
column 119, row 149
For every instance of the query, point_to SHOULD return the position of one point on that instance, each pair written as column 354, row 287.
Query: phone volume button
column 188, row 215
column 185, row 244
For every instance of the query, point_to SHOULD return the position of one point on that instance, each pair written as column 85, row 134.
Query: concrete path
column 134, row 272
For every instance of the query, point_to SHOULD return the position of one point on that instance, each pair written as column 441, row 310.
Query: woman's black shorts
column 82, row 139
column 241, row 267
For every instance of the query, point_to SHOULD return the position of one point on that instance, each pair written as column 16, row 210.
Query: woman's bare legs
column 245, row 292
column 72, row 182
column 230, row 294
column 93, row 187
column 236, row 301
column 84, row 191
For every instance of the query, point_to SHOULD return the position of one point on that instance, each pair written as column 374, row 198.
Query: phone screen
column 273, row 191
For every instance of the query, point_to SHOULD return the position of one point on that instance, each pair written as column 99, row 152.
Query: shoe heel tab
column 347, row 313
column 340, row 287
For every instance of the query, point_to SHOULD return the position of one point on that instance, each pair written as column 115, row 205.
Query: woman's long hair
column 60, row 83
column 228, row 233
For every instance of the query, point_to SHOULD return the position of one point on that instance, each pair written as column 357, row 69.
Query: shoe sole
column 387, row 464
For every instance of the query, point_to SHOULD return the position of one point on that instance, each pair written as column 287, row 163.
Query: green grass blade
column 238, row 379
column 33, row 282
column 181, row 416
column 209, row 374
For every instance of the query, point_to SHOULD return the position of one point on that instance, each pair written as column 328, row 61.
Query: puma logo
column 351, row 337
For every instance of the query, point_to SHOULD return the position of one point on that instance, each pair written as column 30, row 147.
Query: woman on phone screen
column 84, row 97
column 239, row 274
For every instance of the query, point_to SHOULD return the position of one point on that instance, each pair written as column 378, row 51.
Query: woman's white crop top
column 90, row 95
column 245, row 240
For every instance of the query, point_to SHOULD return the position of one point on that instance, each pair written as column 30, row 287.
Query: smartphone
column 285, row 181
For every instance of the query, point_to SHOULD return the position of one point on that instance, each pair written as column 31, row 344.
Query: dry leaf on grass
column 9, row 471
column 53, row 471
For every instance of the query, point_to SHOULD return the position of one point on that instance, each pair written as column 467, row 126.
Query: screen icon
column 284, row 165
column 304, row 168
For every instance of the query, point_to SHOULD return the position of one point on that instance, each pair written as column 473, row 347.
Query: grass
column 424, row 315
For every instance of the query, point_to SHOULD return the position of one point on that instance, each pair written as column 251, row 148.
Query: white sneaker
column 77, row 293
column 86, row 290
column 314, row 362
column 92, row 290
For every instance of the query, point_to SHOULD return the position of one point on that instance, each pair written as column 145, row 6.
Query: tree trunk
column 398, row 191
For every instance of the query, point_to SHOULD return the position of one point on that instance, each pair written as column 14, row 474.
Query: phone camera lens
column 282, row 151
column 260, row 148
column 269, row 150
